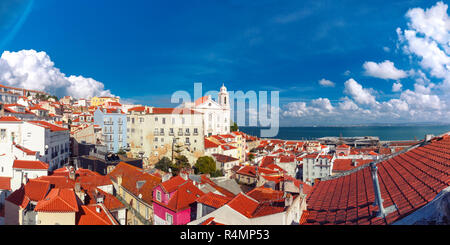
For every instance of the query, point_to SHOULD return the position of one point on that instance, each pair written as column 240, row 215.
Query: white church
column 216, row 115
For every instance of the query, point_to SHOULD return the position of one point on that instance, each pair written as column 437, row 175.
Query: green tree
column 205, row 165
column 164, row 164
column 251, row 157
column 181, row 162
column 217, row 173
column 234, row 127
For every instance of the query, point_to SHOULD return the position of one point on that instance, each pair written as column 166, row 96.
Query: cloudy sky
column 334, row 62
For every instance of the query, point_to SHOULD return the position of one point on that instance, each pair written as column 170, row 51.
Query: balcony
column 195, row 133
column 187, row 134
column 171, row 133
column 108, row 122
column 161, row 134
column 156, row 133
column 180, row 133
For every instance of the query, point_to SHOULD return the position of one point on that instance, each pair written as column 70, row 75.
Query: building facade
column 113, row 124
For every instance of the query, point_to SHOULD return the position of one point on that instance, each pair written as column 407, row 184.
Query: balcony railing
column 180, row 133
column 108, row 122
column 187, row 134
column 171, row 133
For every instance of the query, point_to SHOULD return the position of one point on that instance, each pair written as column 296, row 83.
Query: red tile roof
column 52, row 127
column 9, row 119
column 251, row 171
column 131, row 175
column 88, row 215
column 224, row 158
column 263, row 194
column 251, row 208
column 58, row 201
column 5, row 183
column 267, row 160
column 210, row 221
column 223, row 191
column 201, row 100
column 341, row 165
column 24, row 164
column 210, row 144
column 409, row 180
column 214, row 200
column 34, row 190
column 182, row 195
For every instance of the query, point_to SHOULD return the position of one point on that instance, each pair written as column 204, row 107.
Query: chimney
column 25, row 178
column 376, row 187
column 183, row 175
column 354, row 162
column 428, row 137
column 98, row 209
column 77, row 187
column 72, row 173
column 99, row 197
column 166, row 177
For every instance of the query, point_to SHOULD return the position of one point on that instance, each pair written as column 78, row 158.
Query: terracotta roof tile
column 25, row 164
column 58, row 201
column 409, row 180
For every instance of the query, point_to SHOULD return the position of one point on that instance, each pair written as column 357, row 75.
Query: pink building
column 174, row 201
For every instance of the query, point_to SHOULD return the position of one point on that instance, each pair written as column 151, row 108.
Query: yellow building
column 98, row 101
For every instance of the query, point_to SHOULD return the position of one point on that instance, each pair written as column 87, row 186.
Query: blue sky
column 143, row 51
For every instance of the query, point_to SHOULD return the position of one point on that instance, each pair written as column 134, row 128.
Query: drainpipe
column 376, row 187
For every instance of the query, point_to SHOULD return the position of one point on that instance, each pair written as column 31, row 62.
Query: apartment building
column 114, row 128
column 316, row 166
column 37, row 140
column 153, row 132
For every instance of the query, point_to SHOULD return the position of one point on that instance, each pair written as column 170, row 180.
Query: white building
column 316, row 166
column 32, row 140
column 216, row 115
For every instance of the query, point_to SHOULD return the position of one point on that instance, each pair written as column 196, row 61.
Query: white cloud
column 326, row 83
column 359, row 94
column 386, row 49
column 348, row 105
column 396, row 87
column 35, row 70
column 323, row 104
column 383, row 70
column 428, row 38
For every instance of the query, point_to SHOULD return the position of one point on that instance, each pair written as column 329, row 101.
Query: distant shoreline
column 385, row 133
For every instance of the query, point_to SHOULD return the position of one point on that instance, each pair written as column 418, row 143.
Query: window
column 164, row 120
column 3, row 134
column 156, row 119
column 169, row 219
column 141, row 119
column 146, row 213
column 158, row 196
